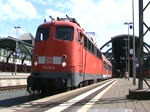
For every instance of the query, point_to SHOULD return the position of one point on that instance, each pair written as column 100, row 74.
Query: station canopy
column 120, row 50
column 18, row 44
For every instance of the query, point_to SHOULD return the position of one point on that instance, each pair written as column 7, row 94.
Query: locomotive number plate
column 48, row 67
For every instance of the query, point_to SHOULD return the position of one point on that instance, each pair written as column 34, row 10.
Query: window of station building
column 42, row 34
column 64, row 33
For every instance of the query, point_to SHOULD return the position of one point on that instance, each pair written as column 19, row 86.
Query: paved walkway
column 115, row 100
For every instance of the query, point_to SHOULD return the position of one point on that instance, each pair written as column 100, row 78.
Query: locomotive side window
column 105, row 65
column 42, row 34
column 93, row 48
column 64, row 33
column 85, row 42
column 77, row 36
column 88, row 45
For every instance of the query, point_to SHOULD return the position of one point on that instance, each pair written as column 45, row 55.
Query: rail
column 7, row 88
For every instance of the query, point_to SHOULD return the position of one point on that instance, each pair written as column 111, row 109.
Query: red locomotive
column 64, row 57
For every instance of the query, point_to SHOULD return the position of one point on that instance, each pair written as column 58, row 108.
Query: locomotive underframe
column 49, row 82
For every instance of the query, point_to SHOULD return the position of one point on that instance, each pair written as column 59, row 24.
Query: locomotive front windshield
column 42, row 34
column 64, row 33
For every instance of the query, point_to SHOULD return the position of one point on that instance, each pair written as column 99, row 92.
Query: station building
column 16, row 51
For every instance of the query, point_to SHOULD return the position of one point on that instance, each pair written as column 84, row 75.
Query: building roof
column 27, row 37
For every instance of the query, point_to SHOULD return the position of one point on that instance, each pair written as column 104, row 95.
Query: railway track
column 8, row 88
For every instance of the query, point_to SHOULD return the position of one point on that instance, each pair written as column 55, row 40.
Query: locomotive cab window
column 42, row 34
column 64, row 33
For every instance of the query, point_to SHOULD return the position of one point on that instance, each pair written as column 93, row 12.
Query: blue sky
column 105, row 17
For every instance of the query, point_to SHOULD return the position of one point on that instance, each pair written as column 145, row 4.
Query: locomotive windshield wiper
column 67, row 36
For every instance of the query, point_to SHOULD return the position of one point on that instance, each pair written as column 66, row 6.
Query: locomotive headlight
column 35, row 63
column 63, row 64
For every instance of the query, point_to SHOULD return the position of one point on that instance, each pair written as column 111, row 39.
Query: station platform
column 11, row 79
column 114, row 99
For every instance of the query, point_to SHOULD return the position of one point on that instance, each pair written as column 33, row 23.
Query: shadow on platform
column 140, row 94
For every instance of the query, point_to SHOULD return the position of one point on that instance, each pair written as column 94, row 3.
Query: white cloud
column 44, row 2
column 147, row 13
column 13, row 32
column 16, row 9
column 53, row 13
column 105, row 18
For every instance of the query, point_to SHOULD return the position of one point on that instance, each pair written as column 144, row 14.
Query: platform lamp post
column 126, row 55
column 134, row 58
column 16, row 47
column 129, row 27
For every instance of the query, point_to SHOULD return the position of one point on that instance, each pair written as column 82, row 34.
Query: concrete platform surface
column 114, row 99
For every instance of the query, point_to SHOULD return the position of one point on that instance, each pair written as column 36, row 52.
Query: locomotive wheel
column 60, row 83
column 80, row 85
column 30, row 91
column 85, row 83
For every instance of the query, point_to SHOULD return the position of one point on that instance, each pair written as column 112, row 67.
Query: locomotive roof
column 68, row 22
column 56, row 22
column 67, row 19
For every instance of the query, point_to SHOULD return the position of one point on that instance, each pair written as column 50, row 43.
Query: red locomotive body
column 64, row 56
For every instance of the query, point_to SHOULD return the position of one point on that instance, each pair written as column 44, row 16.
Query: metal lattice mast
column 141, row 35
